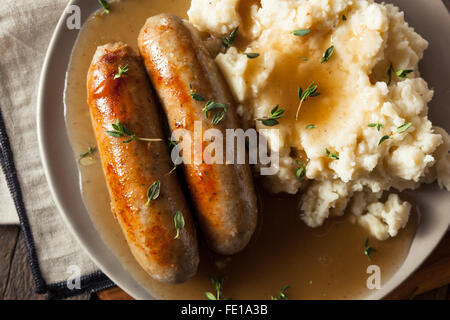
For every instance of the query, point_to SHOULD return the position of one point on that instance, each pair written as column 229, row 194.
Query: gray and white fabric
column 26, row 27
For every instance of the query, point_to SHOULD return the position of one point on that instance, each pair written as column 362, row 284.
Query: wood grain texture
column 16, row 279
column 8, row 240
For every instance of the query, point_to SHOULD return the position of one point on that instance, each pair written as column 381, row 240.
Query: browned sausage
column 224, row 195
column 130, row 168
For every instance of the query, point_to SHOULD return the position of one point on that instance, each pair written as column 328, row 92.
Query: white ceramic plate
column 430, row 18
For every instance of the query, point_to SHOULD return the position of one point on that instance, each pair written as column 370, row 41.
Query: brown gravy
column 322, row 263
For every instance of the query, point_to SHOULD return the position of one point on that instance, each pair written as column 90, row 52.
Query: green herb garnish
column 85, row 154
column 301, row 32
column 196, row 96
column 178, row 221
column 401, row 73
column 383, row 138
column 282, row 295
column 251, row 55
column 301, row 171
column 327, row 54
column 153, row 192
column 105, row 6
column 310, row 126
column 272, row 119
column 218, row 117
column 376, row 124
column 401, row 129
column 367, row 249
column 334, row 156
column 344, row 17
column 217, row 282
column 228, row 41
column 121, row 71
column 121, row 131
column 311, row 91
column 173, row 144
column 404, row 127
column 303, row 58
column 212, row 105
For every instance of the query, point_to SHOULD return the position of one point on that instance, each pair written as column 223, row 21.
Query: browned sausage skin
column 131, row 168
column 224, row 195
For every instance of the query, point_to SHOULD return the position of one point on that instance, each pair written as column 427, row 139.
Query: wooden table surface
column 431, row 281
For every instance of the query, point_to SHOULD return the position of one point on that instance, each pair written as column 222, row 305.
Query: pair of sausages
column 223, row 195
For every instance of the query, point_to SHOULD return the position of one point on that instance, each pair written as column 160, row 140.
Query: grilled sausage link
column 224, row 195
column 130, row 168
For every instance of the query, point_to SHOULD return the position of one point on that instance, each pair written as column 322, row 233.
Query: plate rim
column 40, row 113
column 141, row 292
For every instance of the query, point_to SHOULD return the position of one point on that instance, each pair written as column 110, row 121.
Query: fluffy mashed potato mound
column 355, row 91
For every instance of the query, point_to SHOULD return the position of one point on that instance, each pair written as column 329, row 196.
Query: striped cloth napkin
column 26, row 27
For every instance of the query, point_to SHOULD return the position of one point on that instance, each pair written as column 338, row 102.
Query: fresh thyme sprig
column 90, row 151
column 403, row 73
column 173, row 144
column 301, row 32
column 121, row 131
column 401, row 129
column 105, row 6
column 375, row 124
column 251, row 55
column 311, row 91
column 217, row 282
column 367, row 249
column 121, row 71
column 229, row 40
column 300, row 173
column 327, row 54
column 220, row 114
column 272, row 119
column 153, row 192
column 282, row 295
column 332, row 155
column 196, row 96
column 178, row 221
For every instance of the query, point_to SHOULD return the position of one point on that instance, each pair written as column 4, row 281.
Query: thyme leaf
column 178, row 221
column 311, row 91
column 153, row 192
column 229, row 40
column 301, row 32
column 196, row 96
column 120, row 130
column 334, row 156
column 89, row 152
column 327, row 54
column 105, row 6
column 121, row 71
column 272, row 119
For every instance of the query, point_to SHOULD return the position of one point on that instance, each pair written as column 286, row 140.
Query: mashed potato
column 354, row 92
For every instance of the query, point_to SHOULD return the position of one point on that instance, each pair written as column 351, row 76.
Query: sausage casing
column 224, row 195
column 131, row 168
